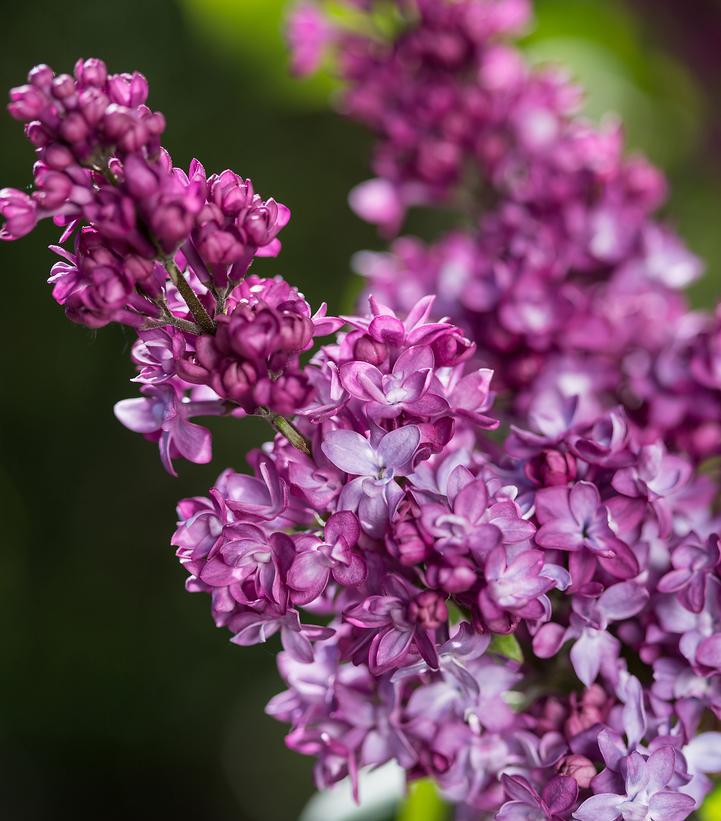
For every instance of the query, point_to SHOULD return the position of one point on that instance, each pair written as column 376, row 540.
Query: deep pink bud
column 52, row 188
column 578, row 767
column 428, row 609
column 551, row 468
column 57, row 156
column 128, row 89
column 19, row 212
column 93, row 104
column 26, row 103
column 37, row 134
column 452, row 348
column 41, row 76
column 63, row 87
column 91, row 72
column 74, row 129
column 370, row 350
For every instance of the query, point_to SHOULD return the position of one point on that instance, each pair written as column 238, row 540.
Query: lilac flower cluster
column 564, row 278
column 530, row 617
column 163, row 251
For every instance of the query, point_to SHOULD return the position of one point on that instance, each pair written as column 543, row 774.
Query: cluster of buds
column 163, row 251
column 532, row 617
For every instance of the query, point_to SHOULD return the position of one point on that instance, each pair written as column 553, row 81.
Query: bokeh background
column 118, row 698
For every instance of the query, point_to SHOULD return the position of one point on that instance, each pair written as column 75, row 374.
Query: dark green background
column 119, row 699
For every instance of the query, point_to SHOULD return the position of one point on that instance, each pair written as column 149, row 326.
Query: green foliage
column 711, row 810
column 423, row 803
column 506, row 645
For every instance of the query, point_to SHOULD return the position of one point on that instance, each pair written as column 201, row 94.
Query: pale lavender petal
column 602, row 807
column 670, row 806
column 396, row 448
column 137, row 415
column 350, row 452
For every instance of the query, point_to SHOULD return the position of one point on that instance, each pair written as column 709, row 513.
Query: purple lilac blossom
column 465, row 604
column 567, row 278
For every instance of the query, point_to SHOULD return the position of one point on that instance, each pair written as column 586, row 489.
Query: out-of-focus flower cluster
column 565, row 277
column 530, row 617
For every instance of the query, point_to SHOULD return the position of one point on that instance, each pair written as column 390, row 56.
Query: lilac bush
column 517, row 597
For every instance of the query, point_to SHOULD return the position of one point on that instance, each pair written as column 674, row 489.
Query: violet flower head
column 532, row 619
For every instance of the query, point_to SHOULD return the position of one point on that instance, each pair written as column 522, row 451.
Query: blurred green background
column 120, row 700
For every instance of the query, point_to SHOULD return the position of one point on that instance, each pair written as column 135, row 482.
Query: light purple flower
column 693, row 561
column 163, row 415
column 575, row 519
column 526, row 804
column 375, row 493
column 594, row 649
column 648, row 794
column 398, row 622
column 316, row 560
column 404, row 389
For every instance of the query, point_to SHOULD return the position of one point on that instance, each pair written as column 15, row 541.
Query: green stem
column 176, row 322
column 201, row 316
column 285, row 428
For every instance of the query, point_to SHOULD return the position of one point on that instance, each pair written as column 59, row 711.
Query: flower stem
column 285, row 428
column 201, row 316
column 176, row 322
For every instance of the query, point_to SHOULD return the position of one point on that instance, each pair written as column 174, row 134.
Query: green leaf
column 506, row 645
column 423, row 803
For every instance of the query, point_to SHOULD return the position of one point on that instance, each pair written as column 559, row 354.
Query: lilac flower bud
column 37, row 134
column 551, row 468
column 428, row 609
column 578, row 767
column 92, row 104
column 57, row 156
column 19, row 212
column 53, row 188
column 41, row 76
column 74, row 128
column 91, row 72
column 370, row 350
column 129, row 90
column 406, row 540
column 63, row 87
column 264, row 221
column 26, row 103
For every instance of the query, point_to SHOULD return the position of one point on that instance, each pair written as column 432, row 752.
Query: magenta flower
column 316, row 561
column 574, row 519
column 470, row 522
column 256, row 626
column 404, row 389
column 19, row 212
column 381, row 505
column 378, row 202
column 308, row 35
column 693, row 562
column 516, row 584
column 594, row 649
column 397, row 623
column 656, row 476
